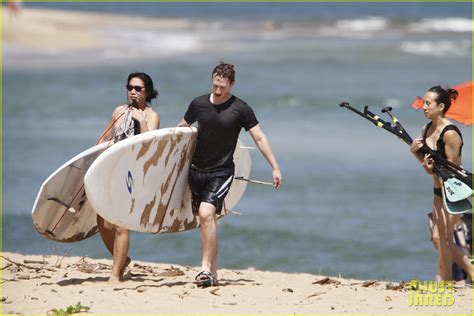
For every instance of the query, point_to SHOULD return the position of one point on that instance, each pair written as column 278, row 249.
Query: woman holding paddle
column 444, row 139
column 127, row 120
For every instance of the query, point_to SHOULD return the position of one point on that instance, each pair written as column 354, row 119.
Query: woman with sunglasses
column 127, row 120
column 444, row 138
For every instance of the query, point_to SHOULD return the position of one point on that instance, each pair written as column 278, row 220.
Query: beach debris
column 34, row 261
column 7, row 280
column 388, row 298
column 29, row 277
column 327, row 280
column 86, row 267
column 396, row 287
column 6, row 266
column 231, row 303
column 142, row 268
column 133, row 274
column 288, row 290
column 183, row 294
column 14, row 269
column 313, row 295
column 171, row 272
column 214, row 291
column 140, row 288
column 369, row 283
column 21, row 265
column 60, row 259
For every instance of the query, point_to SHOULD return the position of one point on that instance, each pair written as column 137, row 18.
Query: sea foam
column 439, row 25
column 437, row 48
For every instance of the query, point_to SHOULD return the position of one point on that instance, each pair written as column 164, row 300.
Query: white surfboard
column 61, row 211
column 141, row 183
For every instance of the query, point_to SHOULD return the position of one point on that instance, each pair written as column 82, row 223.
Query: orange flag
column 461, row 108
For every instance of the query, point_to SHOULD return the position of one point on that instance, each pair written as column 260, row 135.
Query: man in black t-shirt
column 220, row 117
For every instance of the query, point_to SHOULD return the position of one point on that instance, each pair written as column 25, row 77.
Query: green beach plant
column 78, row 308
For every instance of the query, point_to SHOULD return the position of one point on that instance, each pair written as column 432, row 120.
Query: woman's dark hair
column 149, row 89
column 445, row 96
column 225, row 71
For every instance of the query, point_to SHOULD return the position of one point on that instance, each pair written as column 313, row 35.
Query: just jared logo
column 431, row 293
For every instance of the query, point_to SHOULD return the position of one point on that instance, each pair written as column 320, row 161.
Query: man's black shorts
column 209, row 186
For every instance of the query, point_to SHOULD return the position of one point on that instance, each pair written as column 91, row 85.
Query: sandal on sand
column 205, row 279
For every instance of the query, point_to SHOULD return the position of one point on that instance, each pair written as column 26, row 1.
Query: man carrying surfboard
column 220, row 117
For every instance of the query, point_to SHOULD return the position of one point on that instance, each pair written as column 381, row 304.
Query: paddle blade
column 460, row 207
column 456, row 190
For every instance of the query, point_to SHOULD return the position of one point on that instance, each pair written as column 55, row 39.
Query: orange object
column 461, row 108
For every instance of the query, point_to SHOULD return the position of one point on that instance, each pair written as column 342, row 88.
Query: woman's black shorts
column 209, row 186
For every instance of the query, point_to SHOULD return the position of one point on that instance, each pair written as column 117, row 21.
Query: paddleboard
column 62, row 211
column 141, row 183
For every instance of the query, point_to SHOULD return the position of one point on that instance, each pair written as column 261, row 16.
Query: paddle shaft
column 440, row 161
column 377, row 121
column 254, row 181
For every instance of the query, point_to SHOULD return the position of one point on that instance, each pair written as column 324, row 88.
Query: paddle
column 455, row 190
column 457, row 182
column 460, row 207
column 462, row 174
column 377, row 121
column 253, row 181
column 397, row 123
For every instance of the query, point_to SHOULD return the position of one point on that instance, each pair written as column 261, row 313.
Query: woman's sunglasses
column 137, row 88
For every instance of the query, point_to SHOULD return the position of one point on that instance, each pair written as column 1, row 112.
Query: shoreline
column 54, row 30
column 50, row 38
column 33, row 284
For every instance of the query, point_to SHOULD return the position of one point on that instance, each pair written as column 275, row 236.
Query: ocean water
column 354, row 200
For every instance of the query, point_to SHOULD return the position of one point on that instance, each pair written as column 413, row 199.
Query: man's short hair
column 225, row 71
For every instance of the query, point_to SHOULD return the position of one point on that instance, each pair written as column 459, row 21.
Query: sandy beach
column 62, row 30
column 332, row 228
column 36, row 285
column 50, row 38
